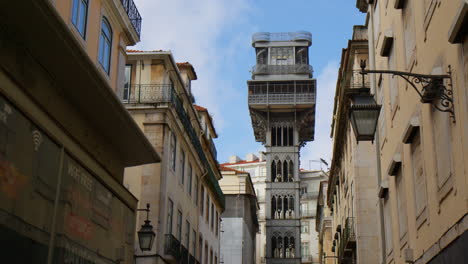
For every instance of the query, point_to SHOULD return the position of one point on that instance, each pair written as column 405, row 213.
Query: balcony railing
column 184, row 255
column 164, row 93
column 133, row 15
column 147, row 93
column 282, row 36
column 307, row 213
column 347, row 243
column 282, row 69
column 355, row 79
column 172, row 246
column 192, row 259
column 282, row 98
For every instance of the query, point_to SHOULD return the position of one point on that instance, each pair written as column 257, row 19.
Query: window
column 206, row 253
column 442, row 126
column 212, row 217
column 202, row 199
column 393, row 81
column 194, row 243
column 179, row 225
column 216, row 219
column 182, row 167
column 419, row 179
column 305, row 249
column 388, row 225
column 211, row 256
column 305, row 227
column 173, row 151
column 196, row 190
column 105, row 45
column 128, row 80
column 170, row 211
column 187, row 235
column 401, row 204
column 281, row 56
column 189, row 180
column 200, row 248
column 80, row 15
column 207, row 215
column 216, row 260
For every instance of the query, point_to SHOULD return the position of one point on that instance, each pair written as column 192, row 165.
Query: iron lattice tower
column 281, row 98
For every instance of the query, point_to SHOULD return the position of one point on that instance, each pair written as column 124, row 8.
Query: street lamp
column 146, row 234
column 364, row 114
column 364, row 111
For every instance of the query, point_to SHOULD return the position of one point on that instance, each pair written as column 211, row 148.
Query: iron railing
column 183, row 116
column 164, row 93
column 347, row 243
column 172, row 246
column 285, row 98
column 355, row 80
column 184, row 255
column 282, row 36
column 192, row 259
column 147, row 93
column 307, row 213
column 282, row 69
column 133, row 15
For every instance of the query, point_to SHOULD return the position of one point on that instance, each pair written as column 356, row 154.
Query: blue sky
column 214, row 35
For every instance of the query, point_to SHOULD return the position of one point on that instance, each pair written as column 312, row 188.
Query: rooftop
column 282, row 36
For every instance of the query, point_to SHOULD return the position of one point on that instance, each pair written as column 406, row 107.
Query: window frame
column 102, row 35
column 85, row 25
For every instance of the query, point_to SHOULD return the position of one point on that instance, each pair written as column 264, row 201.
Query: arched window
column 105, row 45
column 285, row 171
column 290, row 171
column 273, row 171
column 278, row 172
column 273, row 207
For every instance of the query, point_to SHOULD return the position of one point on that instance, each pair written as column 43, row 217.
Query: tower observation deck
column 281, row 99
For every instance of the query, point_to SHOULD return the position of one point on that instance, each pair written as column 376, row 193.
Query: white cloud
column 321, row 147
column 192, row 31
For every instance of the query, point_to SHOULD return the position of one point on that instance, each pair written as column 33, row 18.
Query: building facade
column 421, row 150
column 281, row 98
column 309, row 184
column 255, row 165
column 62, row 156
column 183, row 189
column 323, row 226
column 352, row 185
column 239, row 221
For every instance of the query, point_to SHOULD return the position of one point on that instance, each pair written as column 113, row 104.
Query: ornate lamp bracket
column 433, row 89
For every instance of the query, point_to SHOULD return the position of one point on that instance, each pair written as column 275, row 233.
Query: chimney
column 251, row 157
column 234, row 159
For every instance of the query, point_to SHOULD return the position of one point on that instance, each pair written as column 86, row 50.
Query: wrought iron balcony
column 147, row 93
column 271, row 99
column 282, row 69
column 184, row 255
column 347, row 246
column 172, row 246
column 192, row 259
column 282, row 93
column 354, row 80
column 164, row 93
column 133, row 15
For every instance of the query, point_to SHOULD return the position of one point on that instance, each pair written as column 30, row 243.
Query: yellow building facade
column 62, row 156
column 414, row 48
column 183, row 190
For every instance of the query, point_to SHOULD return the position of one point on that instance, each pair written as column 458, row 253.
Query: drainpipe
column 373, row 83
